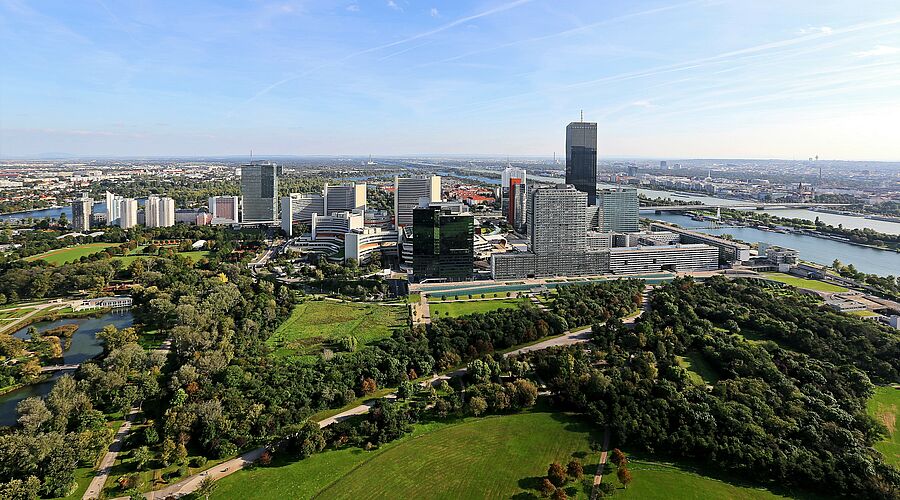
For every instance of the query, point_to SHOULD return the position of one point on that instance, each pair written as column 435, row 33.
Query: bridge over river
column 748, row 206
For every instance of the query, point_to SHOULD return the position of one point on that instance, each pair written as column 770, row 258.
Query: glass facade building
column 259, row 192
column 581, row 158
column 443, row 244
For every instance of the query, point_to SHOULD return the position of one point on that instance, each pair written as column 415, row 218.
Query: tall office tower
column 443, row 242
column 224, row 209
column 113, row 209
column 581, row 158
column 128, row 212
column 409, row 191
column 514, row 210
column 299, row 208
column 618, row 210
column 259, row 191
column 81, row 213
column 557, row 220
column 509, row 173
column 344, row 198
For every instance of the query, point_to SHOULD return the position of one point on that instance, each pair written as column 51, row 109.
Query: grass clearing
column 313, row 324
column 699, row 370
column 818, row 286
column 864, row 314
column 883, row 406
column 494, row 457
column 69, row 254
column 455, row 309
column 195, row 256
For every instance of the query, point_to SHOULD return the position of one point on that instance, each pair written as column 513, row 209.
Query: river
column 85, row 346
column 820, row 250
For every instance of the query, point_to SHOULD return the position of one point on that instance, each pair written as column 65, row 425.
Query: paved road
column 109, row 459
column 59, row 368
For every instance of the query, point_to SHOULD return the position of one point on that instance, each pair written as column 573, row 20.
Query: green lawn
column 493, row 457
column 699, row 370
column 883, row 406
column 315, row 323
column 70, row 254
column 863, row 314
column 456, row 309
column 818, row 286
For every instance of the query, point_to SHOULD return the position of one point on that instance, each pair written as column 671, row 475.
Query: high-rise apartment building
column 81, row 213
column 557, row 220
column 618, row 210
column 409, row 192
column 128, row 213
column 581, row 158
column 259, row 192
column 443, row 242
column 113, row 209
column 224, row 209
column 159, row 211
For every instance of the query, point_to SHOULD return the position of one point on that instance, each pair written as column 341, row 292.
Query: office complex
column 160, row 212
column 557, row 220
column 443, row 235
column 128, row 213
column 259, row 192
column 518, row 205
column 81, row 213
column 729, row 251
column 344, row 198
column 511, row 175
column 581, row 158
column 113, row 209
column 299, row 208
column 224, row 209
column 675, row 258
column 409, row 192
column 618, row 210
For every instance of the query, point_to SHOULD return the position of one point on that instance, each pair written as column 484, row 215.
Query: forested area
column 786, row 401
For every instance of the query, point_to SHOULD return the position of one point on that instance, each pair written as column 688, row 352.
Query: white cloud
column 392, row 4
column 879, row 50
column 824, row 30
column 643, row 104
column 434, row 12
column 353, row 7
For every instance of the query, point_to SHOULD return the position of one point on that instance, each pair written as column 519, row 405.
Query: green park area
column 453, row 309
column 317, row 323
column 699, row 370
column 70, row 254
column 493, row 457
column 195, row 256
column 883, row 406
column 818, row 286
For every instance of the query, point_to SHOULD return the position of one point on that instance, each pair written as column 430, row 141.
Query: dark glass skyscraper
column 581, row 158
column 443, row 243
column 259, row 191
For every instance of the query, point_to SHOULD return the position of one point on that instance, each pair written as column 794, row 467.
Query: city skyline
column 691, row 79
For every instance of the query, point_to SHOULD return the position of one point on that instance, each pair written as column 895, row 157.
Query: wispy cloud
column 434, row 12
column 825, row 30
column 877, row 51
column 392, row 4
column 353, row 7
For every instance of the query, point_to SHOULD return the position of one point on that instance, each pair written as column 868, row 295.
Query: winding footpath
column 109, row 459
column 190, row 484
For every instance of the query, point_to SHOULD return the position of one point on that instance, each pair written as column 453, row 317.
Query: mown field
column 313, row 324
column 819, row 286
column 440, row 309
column 70, row 254
column 883, row 406
column 492, row 457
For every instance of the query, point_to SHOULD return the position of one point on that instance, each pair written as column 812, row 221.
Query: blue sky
column 703, row 78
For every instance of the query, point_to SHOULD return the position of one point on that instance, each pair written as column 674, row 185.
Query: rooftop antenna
column 251, row 156
column 582, row 116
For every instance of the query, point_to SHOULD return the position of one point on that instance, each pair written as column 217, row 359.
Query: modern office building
column 409, row 192
column 363, row 244
column 344, row 198
column 224, row 209
column 82, row 209
column 674, row 258
column 618, row 210
column 113, row 209
column 510, row 174
column 299, row 208
column 259, row 192
column 128, row 213
column 443, row 235
column 159, row 211
column 581, row 158
column 518, row 205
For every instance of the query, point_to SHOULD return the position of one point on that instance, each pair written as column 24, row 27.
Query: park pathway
column 598, row 477
column 96, row 486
